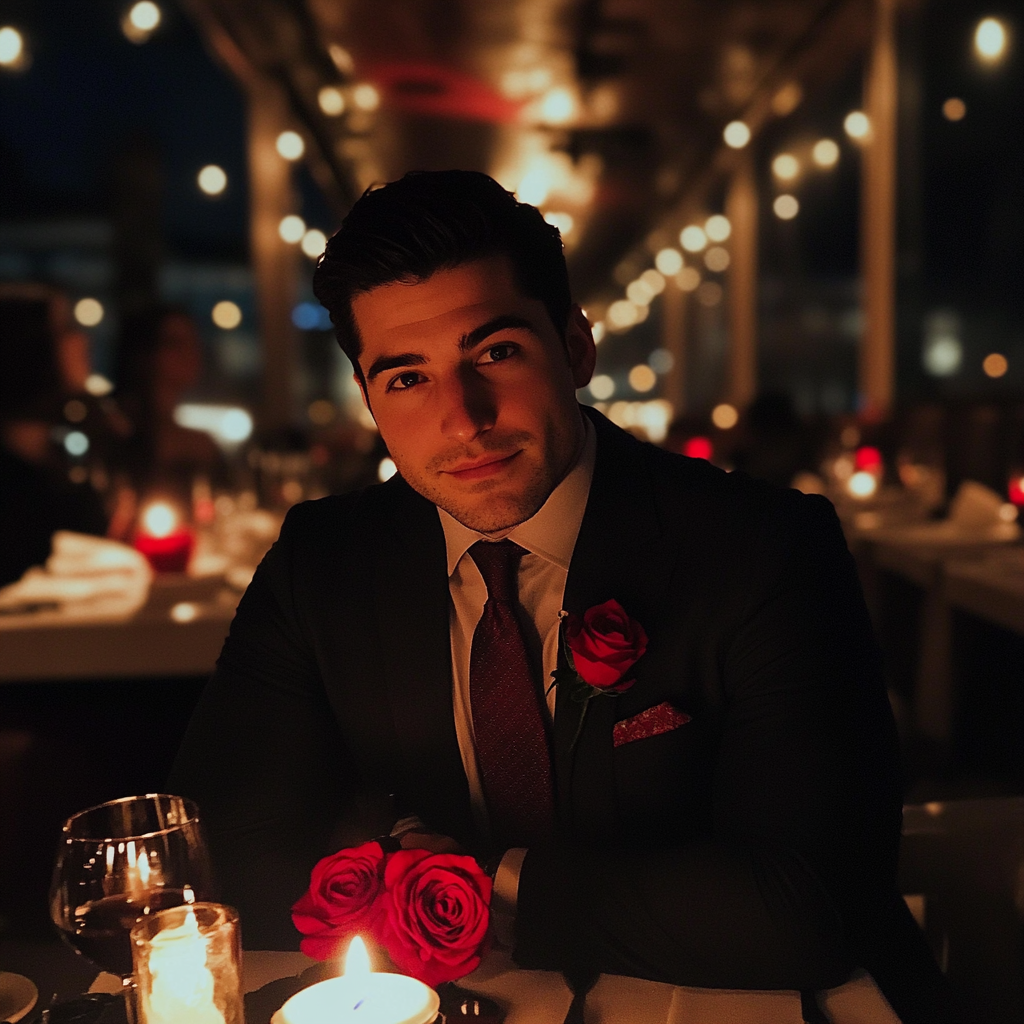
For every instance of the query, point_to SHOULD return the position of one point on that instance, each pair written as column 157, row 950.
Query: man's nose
column 469, row 408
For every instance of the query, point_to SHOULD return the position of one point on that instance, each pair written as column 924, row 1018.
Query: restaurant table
column 542, row 997
column 178, row 632
column 951, row 567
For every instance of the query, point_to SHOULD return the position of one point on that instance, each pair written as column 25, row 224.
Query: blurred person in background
column 159, row 358
column 50, row 429
column 774, row 445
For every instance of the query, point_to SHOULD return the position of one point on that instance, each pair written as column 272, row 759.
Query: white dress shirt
column 548, row 537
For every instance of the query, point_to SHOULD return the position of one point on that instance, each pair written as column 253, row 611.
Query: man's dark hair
column 434, row 220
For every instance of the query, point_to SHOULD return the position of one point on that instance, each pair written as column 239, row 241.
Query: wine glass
column 120, row 861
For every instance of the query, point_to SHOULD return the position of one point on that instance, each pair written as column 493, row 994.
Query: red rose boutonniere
column 600, row 651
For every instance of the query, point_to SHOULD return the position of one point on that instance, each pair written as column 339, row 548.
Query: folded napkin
column 84, row 576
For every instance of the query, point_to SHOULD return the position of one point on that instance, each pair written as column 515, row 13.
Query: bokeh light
column 995, row 364
column 990, row 40
column 692, row 238
column 226, row 315
column 725, row 416
column 290, row 145
column 857, row 125
column 786, row 207
column 292, row 228
column 642, row 378
column 716, row 259
column 331, row 100
column 954, row 109
column 141, row 21
column 602, row 387
column 565, row 222
column 825, row 153
column 89, row 312
column 12, row 47
column 365, row 97
column 688, row 279
column 212, row 180
column 557, row 106
column 669, row 261
column 736, row 134
column 717, row 227
column 314, row 242
column 623, row 314
column 661, row 360
column 785, row 166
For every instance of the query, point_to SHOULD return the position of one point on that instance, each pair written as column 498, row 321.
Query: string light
column 990, row 40
column 642, row 378
column 857, row 125
column 290, row 145
column 141, row 21
column 736, row 134
column 692, row 238
column 954, row 109
column 995, row 365
column 292, row 228
column 331, row 100
column 669, row 261
column 314, row 242
column 602, row 387
column 786, row 207
column 365, row 97
column 717, row 228
column 716, row 259
column 825, row 153
column 12, row 47
column 786, row 166
column 212, row 180
column 88, row 312
column 226, row 315
column 725, row 416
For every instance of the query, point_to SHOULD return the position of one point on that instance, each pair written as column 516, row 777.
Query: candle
column 164, row 539
column 186, row 963
column 361, row 996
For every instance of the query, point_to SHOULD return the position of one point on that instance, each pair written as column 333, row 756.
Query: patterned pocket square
column 652, row 722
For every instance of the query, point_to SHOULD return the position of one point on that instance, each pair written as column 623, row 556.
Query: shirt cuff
column 505, row 894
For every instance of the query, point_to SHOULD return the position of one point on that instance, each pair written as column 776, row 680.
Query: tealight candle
column 186, row 962
column 361, row 996
column 164, row 539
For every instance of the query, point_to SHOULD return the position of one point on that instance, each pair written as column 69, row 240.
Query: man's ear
column 580, row 347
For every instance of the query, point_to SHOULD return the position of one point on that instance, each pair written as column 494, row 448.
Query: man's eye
column 404, row 381
column 497, row 353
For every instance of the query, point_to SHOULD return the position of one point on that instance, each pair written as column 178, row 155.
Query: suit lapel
column 622, row 552
column 411, row 597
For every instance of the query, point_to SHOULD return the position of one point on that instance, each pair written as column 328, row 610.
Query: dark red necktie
column 512, row 751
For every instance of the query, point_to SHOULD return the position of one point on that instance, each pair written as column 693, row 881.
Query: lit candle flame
column 357, row 960
column 159, row 519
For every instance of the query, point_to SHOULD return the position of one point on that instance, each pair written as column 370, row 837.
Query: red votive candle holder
column 164, row 539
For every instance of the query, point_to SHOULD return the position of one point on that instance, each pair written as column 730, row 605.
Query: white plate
column 17, row 996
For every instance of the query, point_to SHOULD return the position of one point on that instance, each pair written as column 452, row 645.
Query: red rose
column 342, row 900
column 605, row 645
column 436, row 917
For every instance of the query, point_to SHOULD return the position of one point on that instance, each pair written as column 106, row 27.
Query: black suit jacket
column 754, row 847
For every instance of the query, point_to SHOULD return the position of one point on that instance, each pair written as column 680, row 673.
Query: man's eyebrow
column 505, row 322
column 385, row 363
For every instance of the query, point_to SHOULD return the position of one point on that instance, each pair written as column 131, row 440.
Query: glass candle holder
column 188, row 966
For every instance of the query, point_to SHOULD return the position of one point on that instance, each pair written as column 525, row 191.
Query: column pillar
column 878, row 218
column 741, row 209
column 275, row 263
column 673, row 340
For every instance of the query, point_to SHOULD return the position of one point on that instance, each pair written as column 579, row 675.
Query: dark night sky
column 89, row 90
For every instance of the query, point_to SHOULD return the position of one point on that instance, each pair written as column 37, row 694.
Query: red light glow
column 698, row 448
column 868, row 458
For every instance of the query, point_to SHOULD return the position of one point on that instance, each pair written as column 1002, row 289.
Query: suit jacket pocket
column 662, row 718
column 662, row 776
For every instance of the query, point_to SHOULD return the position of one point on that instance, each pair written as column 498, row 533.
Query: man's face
column 473, row 390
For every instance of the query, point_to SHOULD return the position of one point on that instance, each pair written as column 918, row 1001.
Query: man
column 730, row 820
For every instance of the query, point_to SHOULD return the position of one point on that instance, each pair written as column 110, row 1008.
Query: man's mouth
column 479, row 469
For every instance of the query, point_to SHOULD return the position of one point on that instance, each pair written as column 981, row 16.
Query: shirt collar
column 551, row 531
